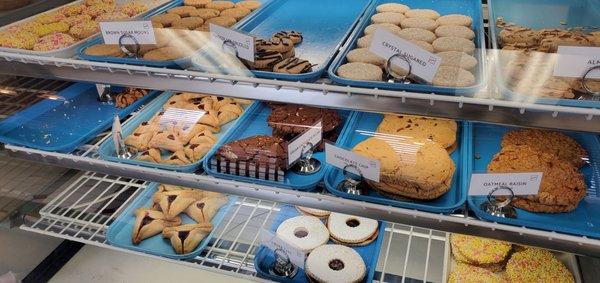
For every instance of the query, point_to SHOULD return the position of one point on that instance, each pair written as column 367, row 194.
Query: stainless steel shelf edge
column 449, row 223
column 317, row 94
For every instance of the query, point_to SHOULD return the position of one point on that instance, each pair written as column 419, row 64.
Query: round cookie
column 292, row 65
column 479, row 250
column 387, row 17
column 335, row 263
column 166, row 20
column 112, row 50
column 294, row 36
column 417, row 34
column 450, row 76
column 99, row 9
column 463, row 273
column 442, row 131
column 220, row 5
column 365, row 56
column 280, row 45
column 387, row 26
column 452, row 43
column 73, row 20
column 392, row 7
column 249, row 4
column 455, row 20
column 166, row 53
column 182, row 11
column 536, row 265
column 457, row 59
column 365, row 41
column 422, row 13
column 22, row 40
column 360, row 71
column 313, row 211
column 84, row 29
column 188, row 23
column 53, row 41
column 349, row 229
column 205, row 14
column 456, row 31
column 303, row 232
column 196, row 3
column 425, row 45
column 46, row 29
column 132, row 9
column 562, row 184
column 112, row 16
column 422, row 23
column 222, row 21
column 555, row 143
column 236, row 13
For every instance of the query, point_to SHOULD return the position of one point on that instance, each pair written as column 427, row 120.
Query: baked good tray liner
column 64, row 121
column 265, row 257
column 119, row 232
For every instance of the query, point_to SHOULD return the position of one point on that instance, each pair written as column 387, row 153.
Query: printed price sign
column 574, row 61
column 519, row 183
column 141, row 30
column 424, row 64
column 238, row 43
column 183, row 118
column 339, row 157
column 313, row 136
column 271, row 241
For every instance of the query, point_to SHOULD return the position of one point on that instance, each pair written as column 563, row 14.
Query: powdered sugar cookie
column 452, row 43
column 422, row 13
column 422, row 23
column 457, row 31
column 360, row 71
column 417, row 34
column 365, row 41
column 455, row 20
column 392, row 7
column 457, row 59
column 453, row 77
column 387, row 26
column 335, row 263
column 387, row 17
column 303, row 232
column 365, row 56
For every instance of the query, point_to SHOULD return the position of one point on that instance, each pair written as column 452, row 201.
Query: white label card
column 313, row 135
column 142, row 31
column 424, row 64
column 339, row 157
column 233, row 41
column 183, row 118
column 271, row 241
column 520, row 183
column 574, row 61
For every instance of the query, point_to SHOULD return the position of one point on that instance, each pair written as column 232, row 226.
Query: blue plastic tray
column 264, row 257
column 177, row 63
column 255, row 123
column 107, row 148
column 449, row 202
column 548, row 14
column 62, row 124
column 582, row 221
column 324, row 24
column 119, row 232
column 471, row 8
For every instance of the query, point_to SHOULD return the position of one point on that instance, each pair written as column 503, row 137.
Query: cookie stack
column 557, row 156
column 67, row 25
column 449, row 36
column 278, row 55
column 414, row 156
column 330, row 262
column 128, row 96
column 163, row 216
column 486, row 260
column 530, row 60
column 181, row 132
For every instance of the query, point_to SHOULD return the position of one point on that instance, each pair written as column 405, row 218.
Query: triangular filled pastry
column 150, row 155
column 185, row 238
column 172, row 203
column 168, row 188
column 205, row 209
column 166, row 139
column 229, row 112
column 195, row 151
column 149, row 223
column 177, row 158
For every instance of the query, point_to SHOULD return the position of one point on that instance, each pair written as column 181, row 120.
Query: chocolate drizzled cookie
column 292, row 66
column 294, row 36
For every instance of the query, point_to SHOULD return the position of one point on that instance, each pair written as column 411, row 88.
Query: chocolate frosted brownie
column 257, row 149
column 295, row 119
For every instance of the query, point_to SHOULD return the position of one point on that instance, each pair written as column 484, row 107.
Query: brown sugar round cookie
column 188, row 23
column 360, row 71
column 220, row 5
column 166, row 20
column 422, row 23
column 196, row 3
column 205, row 14
column 417, row 34
column 537, row 265
column 222, row 21
column 112, row 50
column 387, row 17
column 236, row 13
column 387, row 26
column 365, row 56
column 422, row 13
column 292, row 65
column 392, row 7
column 249, row 4
column 292, row 118
column 166, row 53
column 455, row 20
column 453, row 43
column 457, row 31
column 562, row 183
column 450, row 76
column 182, row 11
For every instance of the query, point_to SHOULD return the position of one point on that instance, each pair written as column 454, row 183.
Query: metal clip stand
column 307, row 165
column 392, row 76
column 497, row 208
column 121, row 149
column 595, row 93
column 135, row 53
column 229, row 47
column 107, row 95
column 282, row 265
column 350, row 185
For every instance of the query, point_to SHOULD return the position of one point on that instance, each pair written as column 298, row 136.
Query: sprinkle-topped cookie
column 464, row 273
column 480, row 250
column 536, row 265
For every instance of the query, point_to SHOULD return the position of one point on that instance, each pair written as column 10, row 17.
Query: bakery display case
column 306, row 141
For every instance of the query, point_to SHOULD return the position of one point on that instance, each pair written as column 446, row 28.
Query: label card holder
column 342, row 158
column 298, row 146
column 520, row 183
column 141, row 31
column 238, row 43
column 271, row 241
column 423, row 63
